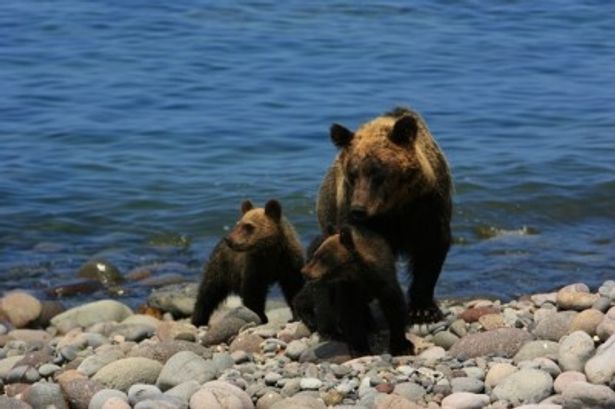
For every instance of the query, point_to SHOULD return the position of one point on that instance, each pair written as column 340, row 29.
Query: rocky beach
column 550, row 350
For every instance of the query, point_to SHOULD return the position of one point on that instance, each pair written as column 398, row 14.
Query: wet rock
column 537, row 349
column 586, row 321
column 524, row 386
column 125, row 372
column 102, row 271
column 90, row 314
column 601, row 367
column 465, row 400
column 574, row 351
column 566, row 378
column 503, row 341
column 554, row 326
column 229, row 325
column 185, row 366
column 218, row 394
column 581, row 395
column 43, row 395
column 20, row 308
column 178, row 299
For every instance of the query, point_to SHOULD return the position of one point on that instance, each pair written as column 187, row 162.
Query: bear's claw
column 425, row 314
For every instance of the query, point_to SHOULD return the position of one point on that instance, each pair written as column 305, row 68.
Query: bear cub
column 391, row 177
column 263, row 248
column 348, row 271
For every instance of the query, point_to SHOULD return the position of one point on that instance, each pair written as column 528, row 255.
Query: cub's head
column 333, row 259
column 257, row 228
column 384, row 163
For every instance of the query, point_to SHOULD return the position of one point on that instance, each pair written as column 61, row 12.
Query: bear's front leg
column 426, row 265
column 254, row 295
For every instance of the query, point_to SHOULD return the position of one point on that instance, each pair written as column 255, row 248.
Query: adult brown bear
column 390, row 176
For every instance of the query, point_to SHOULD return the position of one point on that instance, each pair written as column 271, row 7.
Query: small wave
column 489, row 232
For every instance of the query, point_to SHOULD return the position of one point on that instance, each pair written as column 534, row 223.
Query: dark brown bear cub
column 391, row 177
column 357, row 267
column 263, row 248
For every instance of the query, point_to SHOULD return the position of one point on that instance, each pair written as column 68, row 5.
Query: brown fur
column 262, row 248
column 351, row 269
column 391, row 176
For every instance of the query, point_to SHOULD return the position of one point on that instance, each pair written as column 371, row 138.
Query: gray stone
column 139, row 392
column 445, row 339
column 524, row 386
column 299, row 402
column 125, row 372
column 185, row 366
column 602, row 304
column 310, row 383
column 100, row 397
column 566, row 378
column 161, row 402
column 582, row 395
column 467, row 384
column 606, row 328
column 327, row 351
column 574, row 351
column 554, row 326
column 221, row 330
column 458, row 327
column 133, row 332
column 465, row 400
column 295, row 348
column 46, row 370
column 537, row 349
column 601, row 367
column 542, row 364
column 11, row 403
column 184, row 390
column 502, row 341
column 43, row 395
column 410, row 391
column 92, row 364
column 217, row 392
column 90, row 314
column 222, row 361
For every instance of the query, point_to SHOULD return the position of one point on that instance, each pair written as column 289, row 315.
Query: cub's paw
column 425, row 314
column 401, row 347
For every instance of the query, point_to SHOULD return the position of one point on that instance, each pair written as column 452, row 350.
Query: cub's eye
column 352, row 175
column 248, row 228
column 378, row 175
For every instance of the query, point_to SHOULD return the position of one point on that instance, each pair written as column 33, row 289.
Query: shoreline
column 546, row 350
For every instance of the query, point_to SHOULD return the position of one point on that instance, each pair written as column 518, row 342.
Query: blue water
column 132, row 130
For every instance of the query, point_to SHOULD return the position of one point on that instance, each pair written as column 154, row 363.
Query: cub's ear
column 246, row 206
column 404, row 131
column 346, row 238
column 340, row 136
column 273, row 209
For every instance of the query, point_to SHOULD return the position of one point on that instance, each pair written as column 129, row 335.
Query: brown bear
column 390, row 176
column 347, row 272
column 263, row 248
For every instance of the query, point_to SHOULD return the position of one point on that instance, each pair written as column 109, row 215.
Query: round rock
column 502, row 341
column 524, row 386
column 465, row 400
column 185, row 366
column 125, row 372
column 574, row 351
column 20, row 308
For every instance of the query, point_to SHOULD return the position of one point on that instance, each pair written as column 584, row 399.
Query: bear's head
column 384, row 163
column 257, row 228
column 334, row 259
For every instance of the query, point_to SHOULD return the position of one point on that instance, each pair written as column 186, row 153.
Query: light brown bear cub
column 391, row 177
column 353, row 268
column 263, row 248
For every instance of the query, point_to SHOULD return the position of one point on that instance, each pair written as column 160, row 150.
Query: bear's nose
column 358, row 213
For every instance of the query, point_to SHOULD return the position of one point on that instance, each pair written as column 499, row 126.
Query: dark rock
column 328, row 351
column 229, row 325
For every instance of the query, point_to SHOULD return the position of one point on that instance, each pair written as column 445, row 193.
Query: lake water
column 132, row 130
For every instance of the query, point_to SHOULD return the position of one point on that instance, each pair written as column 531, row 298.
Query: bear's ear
column 346, row 238
column 340, row 136
column 404, row 131
column 273, row 209
column 246, row 206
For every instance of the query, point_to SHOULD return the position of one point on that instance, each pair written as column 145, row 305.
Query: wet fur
column 250, row 273
column 415, row 219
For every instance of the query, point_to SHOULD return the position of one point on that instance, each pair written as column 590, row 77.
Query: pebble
column 20, row 308
column 524, row 386
column 228, row 325
column 295, row 349
column 90, row 314
column 497, row 373
column 45, row 395
column 183, row 391
column 566, row 378
column 601, row 367
column 410, row 391
column 536, row 349
column 115, row 403
column 219, row 394
column 247, row 342
column 125, row 372
column 576, row 297
column 606, row 328
column 554, row 326
column 586, row 321
column 503, row 341
column 574, row 351
column 445, row 339
column 11, row 403
column 139, row 392
column 465, row 400
column 185, row 366
column 467, row 384
column 582, row 395
column 310, row 383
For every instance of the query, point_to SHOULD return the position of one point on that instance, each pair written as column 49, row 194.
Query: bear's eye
column 248, row 228
column 352, row 174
